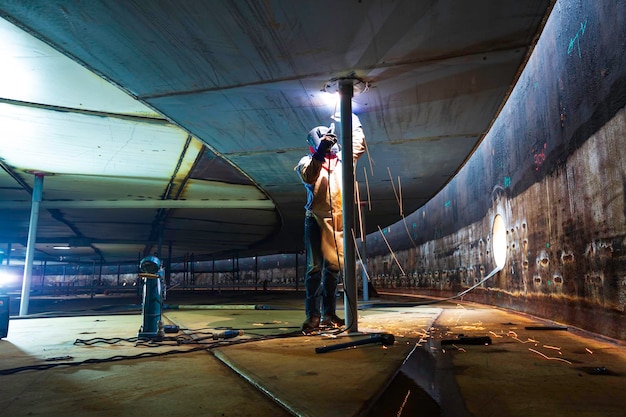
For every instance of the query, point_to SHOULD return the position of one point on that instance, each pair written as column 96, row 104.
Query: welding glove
column 324, row 147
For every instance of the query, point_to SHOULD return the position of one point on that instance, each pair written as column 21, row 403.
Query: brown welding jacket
column 325, row 179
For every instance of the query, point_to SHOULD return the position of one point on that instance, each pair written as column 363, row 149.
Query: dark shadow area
column 403, row 397
column 424, row 386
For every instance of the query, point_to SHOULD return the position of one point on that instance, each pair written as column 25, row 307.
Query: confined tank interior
column 148, row 185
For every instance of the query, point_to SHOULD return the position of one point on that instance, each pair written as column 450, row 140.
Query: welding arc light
column 498, row 241
column 150, row 264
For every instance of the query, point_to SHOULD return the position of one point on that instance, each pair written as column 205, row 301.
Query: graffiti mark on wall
column 540, row 157
column 574, row 42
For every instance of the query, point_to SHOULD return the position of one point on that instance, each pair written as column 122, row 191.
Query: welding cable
column 139, row 341
column 393, row 255
column 358, row 253
column 429, row 302
column 201, row 334
column 190, row 336
column 116, row 358
column 144, row 355
column 109, row 341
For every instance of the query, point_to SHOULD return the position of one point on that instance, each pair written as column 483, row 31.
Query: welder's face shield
column 320, row 132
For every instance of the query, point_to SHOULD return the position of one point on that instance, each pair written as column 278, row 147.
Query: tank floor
column 78, row 356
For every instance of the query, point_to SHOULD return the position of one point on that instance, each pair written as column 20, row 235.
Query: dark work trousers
column 320, row 283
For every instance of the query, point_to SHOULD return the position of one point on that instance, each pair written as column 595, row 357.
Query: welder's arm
column 358, row 139
column 309, row 169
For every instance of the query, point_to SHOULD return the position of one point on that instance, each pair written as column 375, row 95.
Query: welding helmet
column 316, row 135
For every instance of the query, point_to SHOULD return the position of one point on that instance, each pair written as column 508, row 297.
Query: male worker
column 323, row 223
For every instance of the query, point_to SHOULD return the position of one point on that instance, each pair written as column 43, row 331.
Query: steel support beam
column 30, row 246
column 148, row 204
column 346, row 90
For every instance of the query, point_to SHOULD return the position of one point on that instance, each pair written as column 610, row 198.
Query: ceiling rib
column 147, row 204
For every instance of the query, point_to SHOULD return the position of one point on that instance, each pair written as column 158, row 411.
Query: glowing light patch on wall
column 498, row 241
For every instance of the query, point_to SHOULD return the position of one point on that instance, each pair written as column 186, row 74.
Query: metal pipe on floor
column 386, row 339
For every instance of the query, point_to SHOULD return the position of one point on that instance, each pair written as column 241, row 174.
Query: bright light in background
column 7, row 278
column 332, row 97
column 332, row 101
column 35, row 80
column 16, row 75
column 498, row 241
column 104, row 146
column 34, row 72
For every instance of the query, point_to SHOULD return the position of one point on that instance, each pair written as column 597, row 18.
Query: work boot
column 331, row 320
column 311, row 324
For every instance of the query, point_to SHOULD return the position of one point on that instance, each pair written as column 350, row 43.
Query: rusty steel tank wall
column 553, row 165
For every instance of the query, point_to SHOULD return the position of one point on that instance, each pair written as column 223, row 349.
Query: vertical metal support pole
column 346, row 90
column 160, row 240
column 93, row 282
column 168, row 265
column 8, row 256
column 43, row 275
column 236, row 274
column 93, row 274
column 233, row 273
column 30, row 246
column 256, row 273
column 213, row 275
column 192, row 271
column 100, row 272
column 186, row 269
